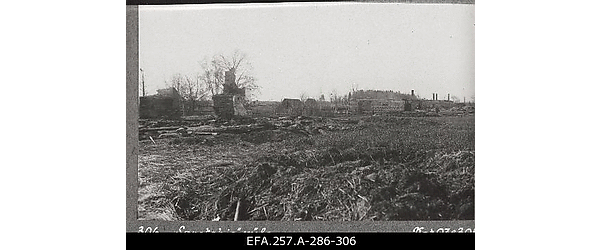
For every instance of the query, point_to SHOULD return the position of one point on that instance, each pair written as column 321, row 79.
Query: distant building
column 407, row 105
column 311, row 107
column 167, row 103
column 380, row 106
column 290, row 107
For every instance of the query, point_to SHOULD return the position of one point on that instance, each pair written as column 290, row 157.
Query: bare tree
column 334, row 99
column 176, row 82
column 333, row 96
column 190, row 89
column 455, row 99
column 304, row 96
column 213, row 72
column 212, row 75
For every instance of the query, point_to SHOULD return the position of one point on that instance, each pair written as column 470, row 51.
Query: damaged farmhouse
column 231, row 102
column 166, row 103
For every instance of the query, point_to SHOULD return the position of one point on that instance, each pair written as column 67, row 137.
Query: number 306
column 148, row 230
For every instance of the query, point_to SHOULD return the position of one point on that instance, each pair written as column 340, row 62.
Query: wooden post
column 237, row 211
column 143, row 85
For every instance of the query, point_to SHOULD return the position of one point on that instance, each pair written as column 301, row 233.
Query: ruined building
column 231, row 102
column 290, row 107
column 381, row 106
column 384, row 102
column 166, row 103
column 311, row 108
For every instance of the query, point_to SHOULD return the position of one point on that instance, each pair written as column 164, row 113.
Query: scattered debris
column 169, row 135
column 300, row 125
column 303, row 168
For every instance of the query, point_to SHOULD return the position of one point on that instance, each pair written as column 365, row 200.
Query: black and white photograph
column 335, row 111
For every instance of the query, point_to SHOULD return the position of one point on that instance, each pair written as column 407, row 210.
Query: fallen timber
column 208, row 130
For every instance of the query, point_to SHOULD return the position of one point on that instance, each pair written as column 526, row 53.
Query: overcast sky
column 318, row 47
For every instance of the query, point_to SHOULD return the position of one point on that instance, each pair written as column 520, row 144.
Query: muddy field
column 354, row 168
